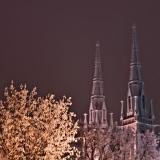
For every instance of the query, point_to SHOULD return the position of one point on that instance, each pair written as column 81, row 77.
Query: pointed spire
column 97, row 72
column 98, row 110
column 136, row 110
column 136, row 99
column 134, row 38
column 136, row 84
column 91, row 113
column 135, row 67
column 137, row 116
column 151, row 114
column 97, row 80
column 85, row 120
column 97, row 56
column 122, row 113
column 111, row 119
column 134, row 58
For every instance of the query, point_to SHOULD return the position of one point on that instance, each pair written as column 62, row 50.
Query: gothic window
column 103, row 112
column 129, row 102
column 96, row 104
column 143, row 101
column 91, row 114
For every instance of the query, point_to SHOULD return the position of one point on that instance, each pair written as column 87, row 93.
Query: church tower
column 136, row 114
column 97, row 110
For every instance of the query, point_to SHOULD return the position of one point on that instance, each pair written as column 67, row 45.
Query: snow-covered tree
column 106, row 143
column 36, row 128
column 148, row 146
column 95, row 142
column 116, row 143
column 121, row 143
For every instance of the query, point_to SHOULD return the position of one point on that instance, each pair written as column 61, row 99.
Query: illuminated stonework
column 97, row 109
column 136, row 112
column 135, row 121
column 136, row 116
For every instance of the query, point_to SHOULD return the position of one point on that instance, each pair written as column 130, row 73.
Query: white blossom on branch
column 36, row 128
column 117, row 143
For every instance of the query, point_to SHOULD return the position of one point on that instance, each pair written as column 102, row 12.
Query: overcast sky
column 51, row 45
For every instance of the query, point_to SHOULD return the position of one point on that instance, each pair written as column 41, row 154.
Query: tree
column 121, row 143
column 95, row 142
column 36, row 128
column 117, row 143
column 106, row 143
column 149, row 143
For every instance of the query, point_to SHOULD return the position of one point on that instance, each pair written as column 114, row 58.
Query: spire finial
column 98, row 110
column 135, row 71
column 134, row 37
column 111, row 119
column 97, row 44
column 134, row 26
column 85, row 120
column 136, row 92
column 151, row 115
column 97, row 61
column 122, row 114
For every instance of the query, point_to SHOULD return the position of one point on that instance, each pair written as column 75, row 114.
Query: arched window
column 143, row 101
column 103, row 112
column 97, row 105
column 129, row 102
column 91, row 116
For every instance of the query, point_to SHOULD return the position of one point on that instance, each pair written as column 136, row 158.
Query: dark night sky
column 51, row 45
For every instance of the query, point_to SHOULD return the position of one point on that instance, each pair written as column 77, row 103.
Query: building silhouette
column 135, row 114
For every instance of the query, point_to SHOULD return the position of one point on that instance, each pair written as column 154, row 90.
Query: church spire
column 136, row 115
column 97, row 89
column 97, row 60
column 135, row 85
column 151, row 113
column 135, row 67
column 134, row 43
column 97, row 110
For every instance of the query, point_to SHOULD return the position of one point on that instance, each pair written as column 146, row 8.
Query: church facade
column 135, row 114
column 97, row 109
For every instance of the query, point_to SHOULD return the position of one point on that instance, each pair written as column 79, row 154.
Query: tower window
column 103, row 112
column 96, row 105
column 129, row 102
column 143, row 101
column 91, row 114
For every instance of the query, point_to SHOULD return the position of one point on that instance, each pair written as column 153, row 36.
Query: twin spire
column 97, row 89
column 98, row 110
column 136, row 99
column 135, row 67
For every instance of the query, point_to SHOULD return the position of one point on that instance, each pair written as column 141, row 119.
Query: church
column 136, row 114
